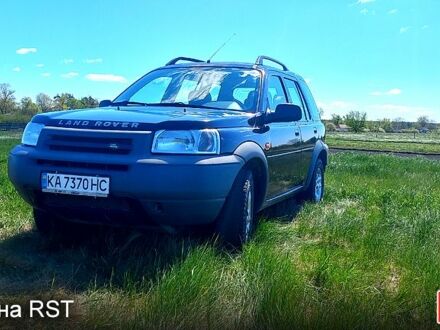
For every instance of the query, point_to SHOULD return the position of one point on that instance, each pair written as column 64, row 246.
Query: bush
column 15, row 118
column 330, row 127
column 356, row 120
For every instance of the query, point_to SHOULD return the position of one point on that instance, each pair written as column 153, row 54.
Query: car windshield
column 211, row 88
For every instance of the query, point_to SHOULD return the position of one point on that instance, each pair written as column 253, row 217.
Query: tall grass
column 366, row 257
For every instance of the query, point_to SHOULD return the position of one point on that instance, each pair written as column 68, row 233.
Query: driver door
column 284, row 155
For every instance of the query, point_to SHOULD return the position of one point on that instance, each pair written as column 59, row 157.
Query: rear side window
column 275, row 93
column 295, row 97
column 311, row 104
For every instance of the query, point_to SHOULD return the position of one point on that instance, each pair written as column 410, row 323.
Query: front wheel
column 315, row 191
column 236, row 222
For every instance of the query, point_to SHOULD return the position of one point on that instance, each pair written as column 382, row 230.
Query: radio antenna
column 220, row 48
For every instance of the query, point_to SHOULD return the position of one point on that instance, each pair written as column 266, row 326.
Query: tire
column 236, row 222
column 315, row 191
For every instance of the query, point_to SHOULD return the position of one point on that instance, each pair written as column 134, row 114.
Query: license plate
column 95, row 186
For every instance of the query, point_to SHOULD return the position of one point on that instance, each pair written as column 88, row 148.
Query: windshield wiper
column 182, row 105
column 125, row 103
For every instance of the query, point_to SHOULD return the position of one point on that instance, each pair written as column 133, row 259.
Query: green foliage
column 28, row 107
column 379, row 140
column 385, row 125
column 22, row 112
column 423, row 121
column 7, row 99
column 330, row 127
column 336, row 119
column 356, row 120
column 367, row 257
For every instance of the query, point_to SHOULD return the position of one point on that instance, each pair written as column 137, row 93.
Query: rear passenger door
column 306, row 126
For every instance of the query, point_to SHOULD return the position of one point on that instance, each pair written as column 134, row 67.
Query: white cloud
column 40, row 65
column 361, row 2
column 16, row 69
column 93, row 60
column 24, row 51
column 45, row 74
column 393, row 11
column 394, row 91
column 364, row 11
column 68, row 61
column 70, row 75
column 424, row 27
column 106, row 77
column 404, row 29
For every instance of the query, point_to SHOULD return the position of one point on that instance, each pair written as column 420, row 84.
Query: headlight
column 31, row 134
column 206, row 141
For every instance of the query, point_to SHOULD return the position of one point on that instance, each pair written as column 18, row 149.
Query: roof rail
column 261, row 58
column 183, row 58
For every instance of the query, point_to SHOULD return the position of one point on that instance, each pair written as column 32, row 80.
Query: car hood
column 145, row 118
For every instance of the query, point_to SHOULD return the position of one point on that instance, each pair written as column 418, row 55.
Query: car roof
column 240, row 65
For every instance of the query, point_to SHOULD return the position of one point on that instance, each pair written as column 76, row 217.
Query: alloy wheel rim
column 318, row 184
column 248, row 219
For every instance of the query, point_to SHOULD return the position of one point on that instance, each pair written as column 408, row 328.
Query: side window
column 275, row 93
column 295, row 97
column 310, row 101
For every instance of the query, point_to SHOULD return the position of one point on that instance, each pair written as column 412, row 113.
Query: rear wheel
column 236, row 222
column 315, row 191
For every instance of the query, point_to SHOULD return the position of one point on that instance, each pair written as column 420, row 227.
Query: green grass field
column 398, row 142
column 367, row 257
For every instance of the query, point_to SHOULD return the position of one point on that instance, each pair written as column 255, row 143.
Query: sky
column 377, row 56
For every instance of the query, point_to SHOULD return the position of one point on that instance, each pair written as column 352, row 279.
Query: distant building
column 343, row 128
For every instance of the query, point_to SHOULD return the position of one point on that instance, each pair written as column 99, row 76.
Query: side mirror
column 284, row 113
column 105, row 103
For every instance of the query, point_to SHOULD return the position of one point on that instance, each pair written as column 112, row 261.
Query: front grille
column 94, row 166
column 101, row 145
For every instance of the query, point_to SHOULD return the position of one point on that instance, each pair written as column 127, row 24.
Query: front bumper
column 161, row 189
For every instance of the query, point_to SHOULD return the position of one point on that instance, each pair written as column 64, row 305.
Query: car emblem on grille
column 113, row 146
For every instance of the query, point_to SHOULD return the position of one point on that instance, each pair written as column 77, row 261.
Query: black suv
column 187, row 144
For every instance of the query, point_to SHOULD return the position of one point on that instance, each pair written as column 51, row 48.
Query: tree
column 385, row 124
column 398, row 124
column 44, row 102
column 336, row 119
column 65, row 101
column 28, row 107
column 423, row 121
column 356, row 120
column 89, row 102
column 7, row 99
